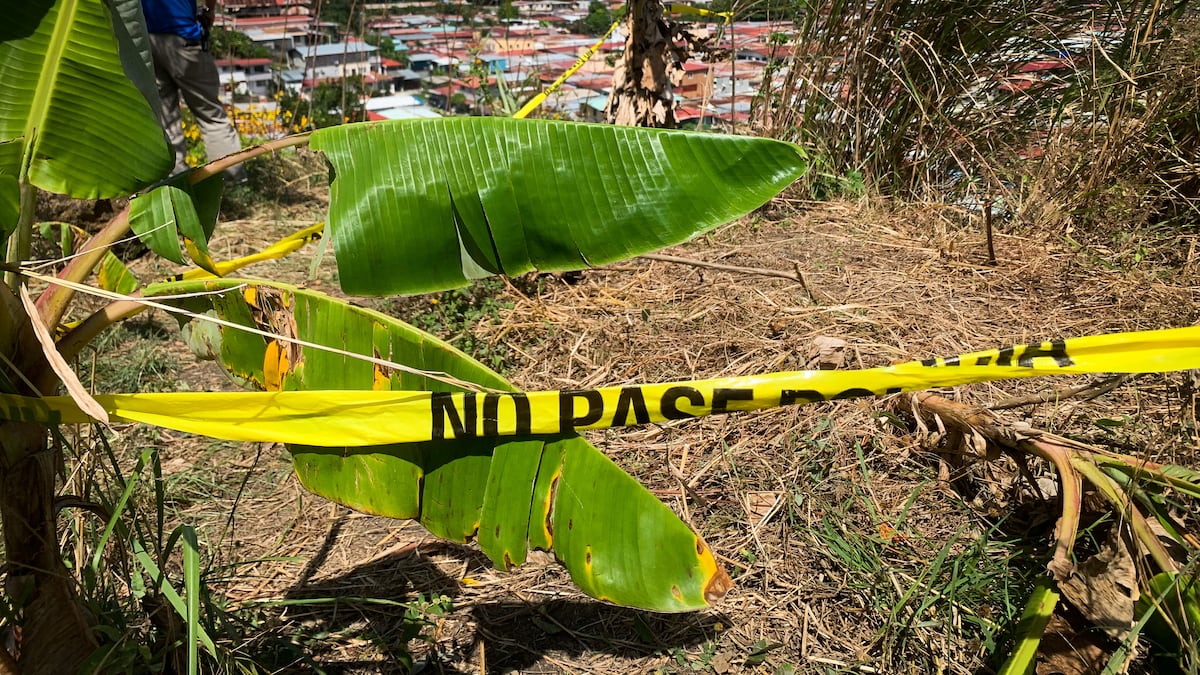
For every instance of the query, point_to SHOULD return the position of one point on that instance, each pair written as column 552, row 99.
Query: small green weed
column 690, row 663
column 454, row 315
column 970, row 585
column 142, row 361
column 420, row 616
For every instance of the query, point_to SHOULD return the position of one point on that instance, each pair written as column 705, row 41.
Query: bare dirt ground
column 854, row 546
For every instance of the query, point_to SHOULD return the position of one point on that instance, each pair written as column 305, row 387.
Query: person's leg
column 198, row 83
column 163, row 48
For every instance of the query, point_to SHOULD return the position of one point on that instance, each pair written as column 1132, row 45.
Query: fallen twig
column 795, row 275
column 1084, row 392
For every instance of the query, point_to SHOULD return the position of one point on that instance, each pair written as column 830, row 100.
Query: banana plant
column 414, row 207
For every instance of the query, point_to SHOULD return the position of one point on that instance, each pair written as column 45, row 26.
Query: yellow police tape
column 359, row 418
column 673, row 8
column 536, row 101
column 112, row 269
column 583, row 58
column 286, row 246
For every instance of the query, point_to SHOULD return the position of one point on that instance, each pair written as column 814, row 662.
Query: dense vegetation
column 1001, row 103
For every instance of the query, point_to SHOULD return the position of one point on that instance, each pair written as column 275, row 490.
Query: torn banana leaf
column 418, row 206
column 557, row 493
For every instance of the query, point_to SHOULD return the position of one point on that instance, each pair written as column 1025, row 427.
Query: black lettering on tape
column 852, row 393
column 491, row 413
column 722, row 397
column 929, row 362
column 983, row 360
column 794, row 396
column 1004, row 358
column 567, row 421
column 442, row 408
column 1057, row 350
column 670, row 402
column 16, row 413
column 631, row 397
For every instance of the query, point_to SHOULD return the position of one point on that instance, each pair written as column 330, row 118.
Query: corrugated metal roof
column 337, row 49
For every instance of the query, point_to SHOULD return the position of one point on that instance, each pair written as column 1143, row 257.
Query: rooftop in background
column 337, row 48
column 242, row 63
column 403, row 113
column 398, row 101
column 235, row 6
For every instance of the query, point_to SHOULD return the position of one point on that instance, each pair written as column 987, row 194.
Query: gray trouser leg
column 187, row 71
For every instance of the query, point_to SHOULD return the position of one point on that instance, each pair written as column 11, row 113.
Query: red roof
column 735, row 117
column 1050, row 64
column 598, row 82
column 1014, row 84
column 391, row 63
column 693, row 67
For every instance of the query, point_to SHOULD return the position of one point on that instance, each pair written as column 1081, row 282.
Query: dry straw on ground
column 829, row 516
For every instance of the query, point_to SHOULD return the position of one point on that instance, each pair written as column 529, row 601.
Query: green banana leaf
column 1173, row 603
column 179, row 209
column 10, row 188
column 418, row 206
column 556, row 493
column 10, row 205
column 133, row 41
column 68, row 99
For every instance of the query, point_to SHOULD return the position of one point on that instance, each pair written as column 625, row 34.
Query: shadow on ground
column 396, row 610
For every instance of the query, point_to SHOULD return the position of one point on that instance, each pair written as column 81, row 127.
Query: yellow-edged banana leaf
column 113, row 275
column 69, row 101
column 427, row 205
column 557, row 493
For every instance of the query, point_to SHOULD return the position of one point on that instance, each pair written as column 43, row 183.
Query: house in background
column 246, row 77
column 493, row 63
column 341, row 59
column 402, row 107
column 279, row 33
column 255, row 8
column 694, row 81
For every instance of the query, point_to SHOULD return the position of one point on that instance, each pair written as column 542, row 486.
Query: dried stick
column 796, row 275
column 1084, row 392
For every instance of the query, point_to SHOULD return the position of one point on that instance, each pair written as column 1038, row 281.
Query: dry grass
column 853, row 548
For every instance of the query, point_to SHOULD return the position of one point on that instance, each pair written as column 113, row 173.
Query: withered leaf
column 1104, row 588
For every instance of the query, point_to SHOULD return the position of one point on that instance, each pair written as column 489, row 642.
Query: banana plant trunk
column 54, row 633
column 641, row 90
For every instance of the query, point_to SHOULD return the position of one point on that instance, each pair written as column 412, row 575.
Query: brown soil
column 828, row 516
